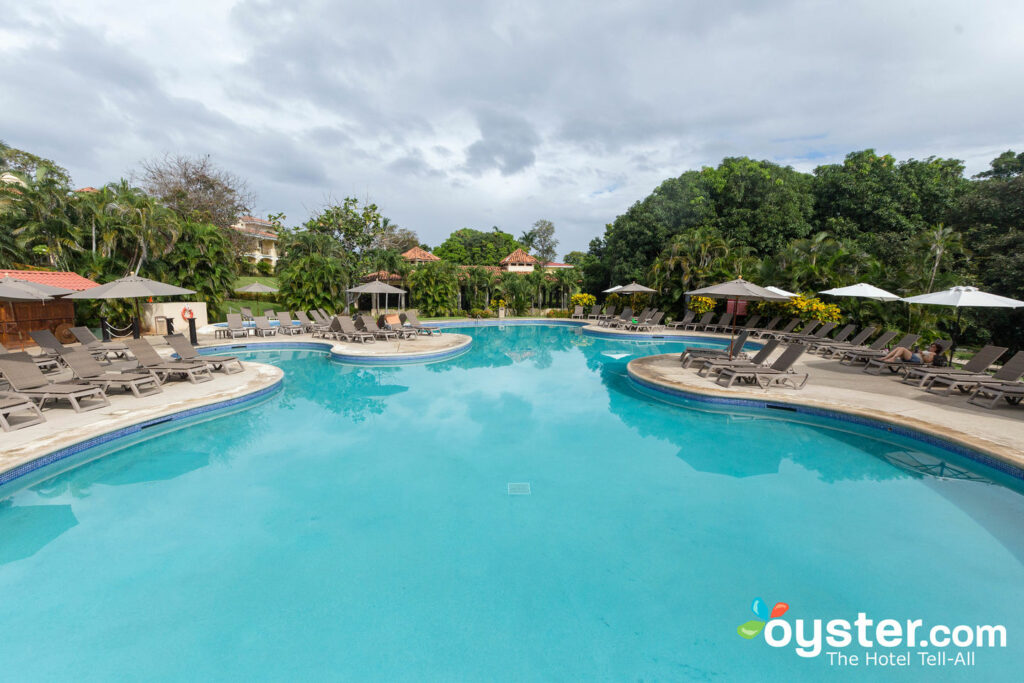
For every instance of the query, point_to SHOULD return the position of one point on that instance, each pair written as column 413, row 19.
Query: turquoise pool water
column 357, row 525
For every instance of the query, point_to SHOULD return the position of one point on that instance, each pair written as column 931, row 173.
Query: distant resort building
column 417, row 256
column 518, row 262
column 262, row 245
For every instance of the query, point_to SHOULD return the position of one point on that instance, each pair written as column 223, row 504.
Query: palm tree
column 40, row 207
column 567, row 282
column 150, row 227
column 941, row 240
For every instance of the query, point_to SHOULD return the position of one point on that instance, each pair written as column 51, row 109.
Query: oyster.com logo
column 753, row 628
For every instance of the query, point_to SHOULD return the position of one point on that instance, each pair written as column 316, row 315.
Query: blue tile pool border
column 74, row 449
column 884, row 426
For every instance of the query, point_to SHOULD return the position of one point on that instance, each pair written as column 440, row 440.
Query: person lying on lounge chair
column 907, row 356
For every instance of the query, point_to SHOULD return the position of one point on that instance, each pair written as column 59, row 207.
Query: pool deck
column 65, row 428
column 998, row 432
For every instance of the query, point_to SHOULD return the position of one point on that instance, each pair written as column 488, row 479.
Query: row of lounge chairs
column 849, row 347
column 342, row 327
column 132, row 366
column 728, row 366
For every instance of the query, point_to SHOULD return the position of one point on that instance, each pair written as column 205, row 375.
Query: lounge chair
column 608, row 314
column 237, row 328
column 370, row 325
column 87, row 339
column 682, row 322
column 89, row 371
column 13, row 409
column 704, row 321
column 852, row 356
column 269, row 314
column 392, row 322
column 750, row 323
column 824, row 345
column 776, row 334
column 626, row 314
column 343, row 327
column 246, row 313
column 411, row 319
column 323, row 314
column 882, row 342
column 767, row 327
column 816, row 329
column 42, row 362
column 286, row 326
column 226, row 364
column 263, row 327
column 52, row 348
column 841, row 336
column 625, row 318
column 25, row 378
column 650, row 323
column 1011, row 371
column 710, row 365
column 987, row 394
column 152, row 361
column 874, row 366
column 724, row 324
column 919, row 375
column 577, row 312
column 307, row 324
column 595, row 312
column 690, row 355
column 779, row 373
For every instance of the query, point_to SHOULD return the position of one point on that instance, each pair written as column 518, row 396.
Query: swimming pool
column 358, row 525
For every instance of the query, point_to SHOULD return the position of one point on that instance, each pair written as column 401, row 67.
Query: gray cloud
column 451, row 114
column 506, row 143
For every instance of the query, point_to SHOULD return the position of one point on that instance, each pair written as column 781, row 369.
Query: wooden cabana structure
column 18, row 318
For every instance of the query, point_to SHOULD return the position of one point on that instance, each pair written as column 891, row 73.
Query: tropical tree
column 148, row 227
column 202, row 259
column 434, row 288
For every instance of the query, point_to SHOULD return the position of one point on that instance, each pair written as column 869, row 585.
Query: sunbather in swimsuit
column 901, row 354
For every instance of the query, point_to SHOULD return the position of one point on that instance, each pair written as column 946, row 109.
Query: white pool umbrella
column 780, row 291
column 635, row 288
column 963, row 297
column 862, row 290
column 257, row 288
column 613, row 289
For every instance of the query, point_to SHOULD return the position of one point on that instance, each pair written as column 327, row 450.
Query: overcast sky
column 476, row 113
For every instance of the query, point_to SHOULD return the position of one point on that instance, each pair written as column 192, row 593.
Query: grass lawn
column 249, row 279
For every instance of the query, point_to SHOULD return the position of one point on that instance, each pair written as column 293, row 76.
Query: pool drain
column 518, row 488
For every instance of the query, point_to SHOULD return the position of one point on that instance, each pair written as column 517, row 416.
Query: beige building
column 262, row 245
column 518, row 262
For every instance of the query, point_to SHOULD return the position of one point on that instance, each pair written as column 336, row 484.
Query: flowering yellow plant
column 807, row 307
column 701, row 304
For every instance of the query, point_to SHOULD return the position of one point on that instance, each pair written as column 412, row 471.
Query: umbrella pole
column 137, row 323
column 735, row 312
column 956, row 335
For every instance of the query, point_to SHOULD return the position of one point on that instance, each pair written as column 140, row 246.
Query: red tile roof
column 87, row 189
column 555, row 264
column 518, row 257
column 382, row 275
column 55, row 278
column 417, row 254
column 254, row 232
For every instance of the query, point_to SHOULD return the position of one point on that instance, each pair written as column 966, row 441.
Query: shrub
column 803, row 306
column 557, row 313
column 584, row 300
column 476, row 313
column 701, row 304
column 264, row 268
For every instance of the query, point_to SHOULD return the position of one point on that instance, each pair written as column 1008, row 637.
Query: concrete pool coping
column 420, row 349
column 993, row 437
